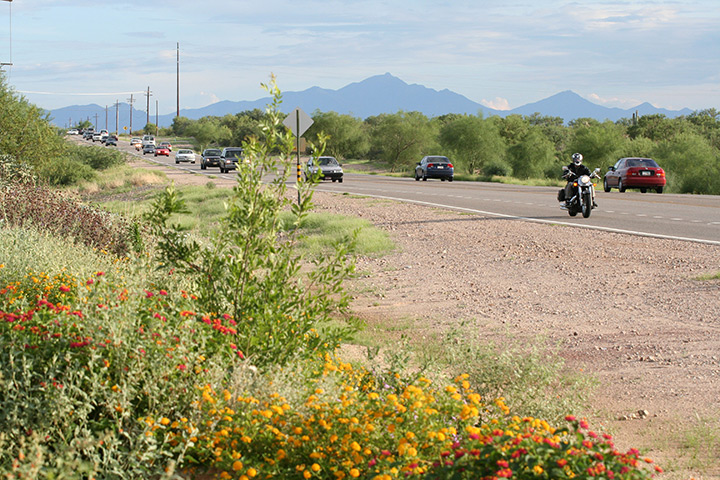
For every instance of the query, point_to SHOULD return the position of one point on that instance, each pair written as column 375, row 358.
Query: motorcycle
column 583, row 193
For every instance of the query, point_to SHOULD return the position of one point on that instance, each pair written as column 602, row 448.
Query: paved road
column 690, row 217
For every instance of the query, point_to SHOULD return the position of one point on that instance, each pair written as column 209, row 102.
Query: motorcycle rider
column 574, row 170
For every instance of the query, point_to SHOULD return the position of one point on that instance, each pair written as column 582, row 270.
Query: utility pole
column 178, row 80
column 106, row 124
column 117, row 118
column 157, row 127
column 96, row 122
column 148, row 94
column 131, row 112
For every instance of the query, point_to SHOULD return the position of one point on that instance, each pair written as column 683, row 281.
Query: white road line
column 549, row 222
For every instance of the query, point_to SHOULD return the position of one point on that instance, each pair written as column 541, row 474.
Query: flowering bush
column 360, row 429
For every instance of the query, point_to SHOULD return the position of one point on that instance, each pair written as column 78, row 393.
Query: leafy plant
column 251, row 267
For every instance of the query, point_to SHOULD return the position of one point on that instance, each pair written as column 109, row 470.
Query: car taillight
column 660, row 172
column 430, row 165
column 450, row 165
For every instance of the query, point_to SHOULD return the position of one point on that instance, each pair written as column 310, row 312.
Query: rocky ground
column 629, row 310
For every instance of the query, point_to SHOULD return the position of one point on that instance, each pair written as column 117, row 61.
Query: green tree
column 533, row 156
column 691, row 164
column 347, row 137
column 180, row 125
column 403, row 138
column 149, row 129
column 25, row 132
column 600, row 143
column 473, row 141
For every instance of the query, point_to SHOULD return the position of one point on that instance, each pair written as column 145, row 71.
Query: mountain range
column 372, row 96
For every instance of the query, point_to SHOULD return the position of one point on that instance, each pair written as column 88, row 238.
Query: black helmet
column 577, row 158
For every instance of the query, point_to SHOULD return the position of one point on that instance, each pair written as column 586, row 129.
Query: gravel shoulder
column 629, row 310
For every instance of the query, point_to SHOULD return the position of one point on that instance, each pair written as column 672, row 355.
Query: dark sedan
column 434, row 166
column 210, row 158
column 635, row 172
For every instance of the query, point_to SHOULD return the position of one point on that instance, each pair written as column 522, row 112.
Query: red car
column 635, row 172
column 160, row 150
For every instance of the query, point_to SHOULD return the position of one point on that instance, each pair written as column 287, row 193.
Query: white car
column 72, row 132
column 185, row 155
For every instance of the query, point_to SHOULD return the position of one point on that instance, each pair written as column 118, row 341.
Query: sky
column 501, row 53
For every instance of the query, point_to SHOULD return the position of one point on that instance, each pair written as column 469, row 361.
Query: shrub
column 64, row 171
column 24, row 204
column 252, row 268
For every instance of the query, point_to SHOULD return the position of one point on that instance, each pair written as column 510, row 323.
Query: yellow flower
column 237, row 466
column 307, row 474
column 354, row 472
column 315, row 467
column 164, row 421
column 538, row 470
column 251, row 472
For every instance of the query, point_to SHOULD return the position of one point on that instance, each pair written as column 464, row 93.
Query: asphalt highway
column 687, row 217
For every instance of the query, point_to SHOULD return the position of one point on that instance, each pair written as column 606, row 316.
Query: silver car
column 324, row 168
column 185, row 155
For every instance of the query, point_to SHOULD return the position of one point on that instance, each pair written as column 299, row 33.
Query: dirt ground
column 631, row 311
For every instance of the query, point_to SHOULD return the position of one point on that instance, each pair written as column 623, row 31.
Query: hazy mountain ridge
column 372, row 96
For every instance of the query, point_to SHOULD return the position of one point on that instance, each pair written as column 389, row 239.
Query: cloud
column 498, row 103
column 614, row 101
column 213, row 98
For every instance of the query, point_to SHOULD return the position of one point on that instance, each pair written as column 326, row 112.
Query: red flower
column 570, row 418
column 502, row 463
column 99, row 274
column 90, row 282
column 149, row 294
column 182, row 367
column 162, row 292
column 64, row 288
column 562, row 462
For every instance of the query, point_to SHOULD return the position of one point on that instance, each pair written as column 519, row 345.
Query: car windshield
column 185, row 151
column 437, row 159
column 233, row 153
column 327, row 161
column 212, row 152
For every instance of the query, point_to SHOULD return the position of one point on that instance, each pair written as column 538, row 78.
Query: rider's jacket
column 578, row 170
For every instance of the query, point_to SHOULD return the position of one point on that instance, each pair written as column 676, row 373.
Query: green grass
column 324, row 230
column 709, row 276
column 25, row 250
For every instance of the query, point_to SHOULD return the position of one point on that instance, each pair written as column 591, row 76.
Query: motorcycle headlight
column 584, row 179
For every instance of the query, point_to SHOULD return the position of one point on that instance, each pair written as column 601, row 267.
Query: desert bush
column 252, row 267
column 23, row 204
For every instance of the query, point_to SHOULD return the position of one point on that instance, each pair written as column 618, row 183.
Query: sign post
column 298, row 122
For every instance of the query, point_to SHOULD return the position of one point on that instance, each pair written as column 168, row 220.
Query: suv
column 111, row 140
column 88, row 133
column 210, row 158
column 229, row 157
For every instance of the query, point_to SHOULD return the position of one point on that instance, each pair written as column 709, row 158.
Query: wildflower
column 251, row 472
column 354, row 472
column 237, row 465
column 315, row 467
column 162, row 292
column 64, row 288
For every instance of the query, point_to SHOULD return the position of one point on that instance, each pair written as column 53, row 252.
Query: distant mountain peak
column 384, row 93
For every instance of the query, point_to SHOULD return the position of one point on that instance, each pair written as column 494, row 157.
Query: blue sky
column 500, row 53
